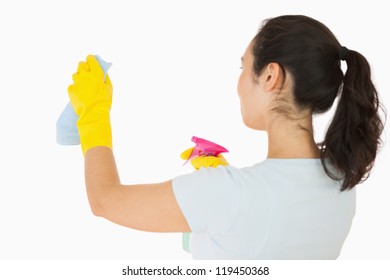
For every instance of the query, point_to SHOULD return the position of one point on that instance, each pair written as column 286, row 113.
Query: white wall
column 175, row 68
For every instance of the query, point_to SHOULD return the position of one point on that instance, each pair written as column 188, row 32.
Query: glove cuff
column 95, row 133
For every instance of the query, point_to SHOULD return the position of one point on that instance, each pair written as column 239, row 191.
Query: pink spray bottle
column 202, row 148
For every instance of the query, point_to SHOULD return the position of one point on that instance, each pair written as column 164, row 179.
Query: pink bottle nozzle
column 204, row 147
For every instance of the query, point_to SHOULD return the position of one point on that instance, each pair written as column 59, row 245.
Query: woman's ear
column 273, row 77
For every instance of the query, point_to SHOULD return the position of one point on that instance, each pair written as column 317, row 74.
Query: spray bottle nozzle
column 205, row 147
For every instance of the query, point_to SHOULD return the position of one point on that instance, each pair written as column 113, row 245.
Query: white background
column 175, row 70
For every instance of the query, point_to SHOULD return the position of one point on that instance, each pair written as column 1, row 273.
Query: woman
column 299, row 203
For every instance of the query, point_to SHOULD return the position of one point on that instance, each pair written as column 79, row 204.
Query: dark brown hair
column 310, row 52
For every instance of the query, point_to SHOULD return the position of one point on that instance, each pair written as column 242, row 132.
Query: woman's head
column 304, row 53
column 297, row 58
column 307, row 50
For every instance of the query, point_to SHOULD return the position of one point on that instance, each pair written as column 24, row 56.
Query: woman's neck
column 292, row 139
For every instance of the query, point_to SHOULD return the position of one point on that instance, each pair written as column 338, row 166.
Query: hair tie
column 343, row 53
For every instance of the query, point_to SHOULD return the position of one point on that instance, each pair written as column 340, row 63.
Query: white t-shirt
column 276, row 209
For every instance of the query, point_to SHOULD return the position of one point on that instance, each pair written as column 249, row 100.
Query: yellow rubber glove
column 204, row 161
column 91, row 98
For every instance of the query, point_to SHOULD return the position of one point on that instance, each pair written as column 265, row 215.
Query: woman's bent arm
column 147, row 207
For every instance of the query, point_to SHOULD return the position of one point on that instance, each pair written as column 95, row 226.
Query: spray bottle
column 202, row 148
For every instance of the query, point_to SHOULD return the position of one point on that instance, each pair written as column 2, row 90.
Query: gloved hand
column 91, row 98
column 204, row 161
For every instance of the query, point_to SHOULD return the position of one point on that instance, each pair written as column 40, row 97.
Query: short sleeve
column 208, row 198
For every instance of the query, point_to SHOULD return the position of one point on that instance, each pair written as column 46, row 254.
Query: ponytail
column 353, row 137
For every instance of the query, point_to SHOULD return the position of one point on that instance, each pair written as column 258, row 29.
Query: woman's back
column 277, row 209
